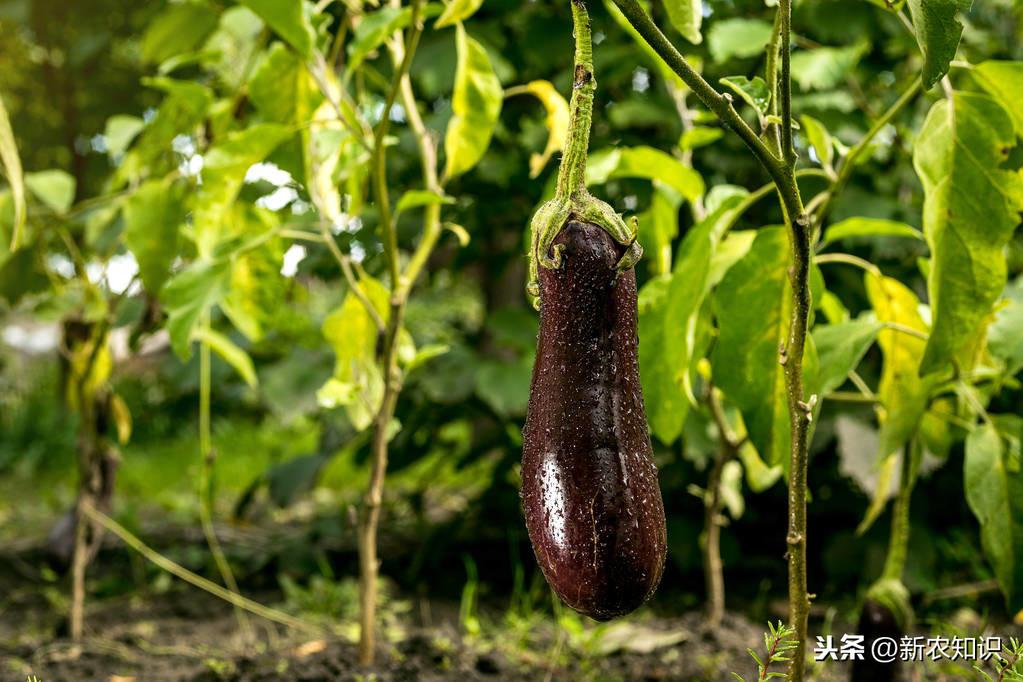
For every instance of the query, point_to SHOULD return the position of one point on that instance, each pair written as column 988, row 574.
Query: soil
column 160, row 629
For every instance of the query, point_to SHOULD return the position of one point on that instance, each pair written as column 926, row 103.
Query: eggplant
column 876, row 621
column 589, row 484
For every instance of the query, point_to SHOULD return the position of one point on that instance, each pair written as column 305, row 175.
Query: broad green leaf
column 822, row 68
column 55, row 188
column 358, row 383
column 754, row 92
column 231, row 353
column 188, row 295
column 120, row 131
column 737, row 38
column 288, row 20
column 476, row 105
column 759, row 476
column 971, row 208
column 417, row 198
column 938, row 31
column 753, row 304
column 456, row 11
column 669, row 322
column 820, row 139
column 223, row 174
column 732, row 249
column 179, row 28
column 153, row 216
column 234, row 45
column 658, row 226
column 646, row 163
column 15, row 179
column 699, row 136
column 281, row 87
column 257, row 297
column 994, row 491
column 557, row 123
column 1003, row 80
column 833, row 308
column 1005, row 335
column 374, row 28
column 840, row 347
column 686, row 16
column 852, row 228
column 903, row 394
column 504, row 386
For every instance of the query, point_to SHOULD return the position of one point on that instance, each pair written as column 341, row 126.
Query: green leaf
column 903, row 394
column 358, row 382
column 753, row 305
column 938, row 31
column 754, row 92
column 840, row 347
column 188, row 295
column 699, row 136
column 120, row 131
column 12, row 171
column 224, row 172
column 820, row 139
column 822, row 68
column 179, row 28
column 971, row 208
column 55, row 188
column 456, row 11
column 686, row 16
column 659, row 226
column 231, row 353
column 646, row 163
column 994, row 491
column 557, row 122
column 504, row 386
column 258, row 292
column 1006, row 332
column 281, row 87
column 737, row 38
column 416, row 198
column 476, row 105
column 853, row 228
column 153, row 217
column 234, row 44
column 288, row 20
column 372, row 31
column 1003, row 80
column 669, row 321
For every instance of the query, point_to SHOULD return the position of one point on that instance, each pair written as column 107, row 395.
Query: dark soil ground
column 146, row 629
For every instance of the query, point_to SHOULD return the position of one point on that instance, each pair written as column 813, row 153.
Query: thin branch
column 388, row 229
column 202, row 583
column 847, row 259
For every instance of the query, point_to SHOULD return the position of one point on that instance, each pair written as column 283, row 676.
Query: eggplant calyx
column 551, row 218
column 894, row 596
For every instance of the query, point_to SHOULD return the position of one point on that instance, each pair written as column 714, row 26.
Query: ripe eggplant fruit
column 876, row 621
column 589, row 484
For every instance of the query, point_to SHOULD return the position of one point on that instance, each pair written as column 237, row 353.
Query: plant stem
column 898, row 543
column 785, row 81
column 720, row 104
column 401, row 285
column 572, row 172
column 207, row 457
column 783, row 175
column 713, row 568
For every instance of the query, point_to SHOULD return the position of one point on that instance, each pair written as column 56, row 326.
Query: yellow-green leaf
column 12, row 171
column 231, row 353
column 476, row 104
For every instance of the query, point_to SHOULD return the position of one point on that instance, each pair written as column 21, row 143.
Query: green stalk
column 572, row 172
column 898, row 543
